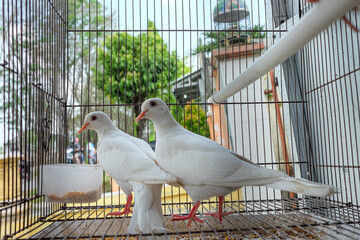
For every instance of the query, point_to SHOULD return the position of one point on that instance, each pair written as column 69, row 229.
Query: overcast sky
column 180, row 15
column 175, row 17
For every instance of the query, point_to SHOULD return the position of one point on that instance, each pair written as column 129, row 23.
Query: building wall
column 249, row 124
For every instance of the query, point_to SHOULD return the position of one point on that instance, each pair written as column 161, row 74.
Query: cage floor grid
column 308, row 218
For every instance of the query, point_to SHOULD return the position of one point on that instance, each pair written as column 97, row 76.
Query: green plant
column 195, row 120
column 214, row 40
column 257, row 32
column 134, row 68
column 106, row 182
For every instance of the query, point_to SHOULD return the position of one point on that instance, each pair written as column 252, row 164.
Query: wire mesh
column 250, row 220
column 32, row 70
column 60, row 60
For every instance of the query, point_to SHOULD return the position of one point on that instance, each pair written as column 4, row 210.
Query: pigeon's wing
column 126, row 187
column 249, row 173
column 199, row 160
column 151, row 174
column 144, row 146
column 123, row 159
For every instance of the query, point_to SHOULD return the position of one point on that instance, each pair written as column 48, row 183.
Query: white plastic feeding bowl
column 72, row 183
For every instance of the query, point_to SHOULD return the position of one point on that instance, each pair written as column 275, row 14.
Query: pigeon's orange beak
column 83, row 127
column 141, row 115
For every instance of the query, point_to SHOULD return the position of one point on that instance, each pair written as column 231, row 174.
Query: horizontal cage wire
column 60, row 60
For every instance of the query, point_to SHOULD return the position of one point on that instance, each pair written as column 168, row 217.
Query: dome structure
column 227, row 11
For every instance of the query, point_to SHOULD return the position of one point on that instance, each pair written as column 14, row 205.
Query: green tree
column 83, row 14
column 36, row 54
column 195, row 120
column 26, row 64
column 135, row 68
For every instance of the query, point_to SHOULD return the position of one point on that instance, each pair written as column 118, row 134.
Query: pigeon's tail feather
column 147, row 216
column 160, row 229
column 155, row 214
column 303, row 186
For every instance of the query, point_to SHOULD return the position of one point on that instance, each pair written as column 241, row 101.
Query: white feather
column 205, row 168
column 131, row 162
column 147, row 215
column 304, row 186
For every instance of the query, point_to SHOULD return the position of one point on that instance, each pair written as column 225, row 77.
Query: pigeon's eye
column 93, row 118
column 153, row 104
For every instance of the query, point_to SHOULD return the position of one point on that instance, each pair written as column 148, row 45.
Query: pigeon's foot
column 220, row 212
column 126, row 210
column 192, row 215
column 188, row 217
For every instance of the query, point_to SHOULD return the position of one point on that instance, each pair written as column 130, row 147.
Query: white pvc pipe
column 316, row 20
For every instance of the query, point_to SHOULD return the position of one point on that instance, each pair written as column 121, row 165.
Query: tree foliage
column 195, row 120
column 27, row 67
column 35, row 54
column 84, row 15
column 134, row 68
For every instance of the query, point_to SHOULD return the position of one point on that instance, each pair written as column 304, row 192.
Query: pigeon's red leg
column 220, row 212
column 126, row 209
column 190, row 217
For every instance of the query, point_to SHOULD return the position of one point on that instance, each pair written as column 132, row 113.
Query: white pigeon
column 205, row 169
column 131, row 162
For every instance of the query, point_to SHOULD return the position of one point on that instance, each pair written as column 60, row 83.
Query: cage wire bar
column 61, row 59
column 32, row 90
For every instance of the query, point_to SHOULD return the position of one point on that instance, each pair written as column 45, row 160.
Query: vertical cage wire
column 60, row 60
column 32, row 93
column 333, row 107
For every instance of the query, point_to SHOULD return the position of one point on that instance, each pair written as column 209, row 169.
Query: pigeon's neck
column 164, row 124
column 107, row 130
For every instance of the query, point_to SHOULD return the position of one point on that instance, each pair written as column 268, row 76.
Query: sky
column 182, row 22
column 176, row 18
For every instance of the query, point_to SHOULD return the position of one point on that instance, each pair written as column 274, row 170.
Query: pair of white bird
column 201, row 166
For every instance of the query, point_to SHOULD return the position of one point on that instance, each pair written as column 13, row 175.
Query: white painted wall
column 248, row 124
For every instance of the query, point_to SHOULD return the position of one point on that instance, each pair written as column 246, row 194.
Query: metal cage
column 61, row 59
